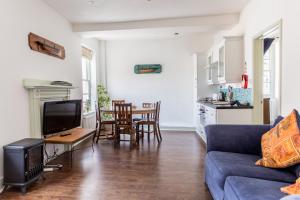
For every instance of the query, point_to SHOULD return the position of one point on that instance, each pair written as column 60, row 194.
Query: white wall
column 174, row 86
column 255, row 18
column 17, row 19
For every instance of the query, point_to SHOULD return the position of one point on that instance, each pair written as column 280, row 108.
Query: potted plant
column 88, row 106
column 103, row 101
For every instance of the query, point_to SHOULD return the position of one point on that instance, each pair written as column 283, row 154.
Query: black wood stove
column 23, row 162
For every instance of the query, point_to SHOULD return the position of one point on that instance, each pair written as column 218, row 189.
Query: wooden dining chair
column 154, row 122
column 100, row 123
column 157, row 119
column 114, row 102
column 97, row 123
column 144, row 116
column 124, row 123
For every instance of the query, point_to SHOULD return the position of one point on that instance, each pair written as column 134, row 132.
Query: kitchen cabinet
column 222, row 114
column 225, row 61
column 198, row 118
column 230, row 60
column 211, row 68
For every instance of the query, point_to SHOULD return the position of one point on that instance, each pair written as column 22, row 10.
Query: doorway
column 267, row 75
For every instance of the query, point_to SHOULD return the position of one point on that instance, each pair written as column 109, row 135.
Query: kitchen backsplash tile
column 240, row 94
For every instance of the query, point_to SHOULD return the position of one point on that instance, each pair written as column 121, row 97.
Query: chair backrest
column 157, row 111
column 148, row 105
column 113, row 102
column 123, row 114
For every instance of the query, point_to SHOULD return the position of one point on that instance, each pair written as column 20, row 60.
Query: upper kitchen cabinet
column 212, row 66
column 225, row 61
column 230, row 60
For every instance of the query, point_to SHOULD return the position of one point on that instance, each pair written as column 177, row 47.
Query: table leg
column 71, row 155
column 137, row 134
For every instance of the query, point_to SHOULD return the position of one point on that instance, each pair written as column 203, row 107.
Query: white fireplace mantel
column 43, row 84
column 41, row 91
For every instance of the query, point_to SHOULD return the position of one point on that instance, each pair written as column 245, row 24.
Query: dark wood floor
column 171, row 170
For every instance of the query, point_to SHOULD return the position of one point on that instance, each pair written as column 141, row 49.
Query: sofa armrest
column 235, row 138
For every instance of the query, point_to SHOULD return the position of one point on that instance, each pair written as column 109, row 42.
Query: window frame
column 87, row 61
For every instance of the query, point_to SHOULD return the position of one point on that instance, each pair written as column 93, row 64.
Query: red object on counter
column 245, row 81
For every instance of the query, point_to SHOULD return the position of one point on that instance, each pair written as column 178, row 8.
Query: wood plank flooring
column 172, row 170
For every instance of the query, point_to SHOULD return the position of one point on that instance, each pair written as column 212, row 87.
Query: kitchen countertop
column 209, row 104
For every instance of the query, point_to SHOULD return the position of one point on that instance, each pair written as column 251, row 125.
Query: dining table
column 135, row 111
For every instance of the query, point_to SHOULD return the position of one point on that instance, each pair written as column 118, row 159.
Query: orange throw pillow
column 281, row 145
column 292, row 189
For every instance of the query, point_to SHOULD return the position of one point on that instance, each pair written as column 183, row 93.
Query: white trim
column 43, row 84
column 257, row 71
column 177, row 128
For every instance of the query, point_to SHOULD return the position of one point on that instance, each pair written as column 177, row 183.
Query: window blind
column 87, row 53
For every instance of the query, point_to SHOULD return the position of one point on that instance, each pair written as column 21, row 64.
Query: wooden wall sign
column 147, row 69
column 42, row 45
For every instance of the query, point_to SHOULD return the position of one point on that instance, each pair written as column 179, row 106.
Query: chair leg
column 148, row 136
column 99, row 132
column 117, row 137
column 155, row 132
column 137, row 134
column 95, row 134
column 132, row 138
column 158, row 128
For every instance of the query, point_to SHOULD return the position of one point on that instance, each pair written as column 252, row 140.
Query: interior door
column 271, row 87
column 267, row 75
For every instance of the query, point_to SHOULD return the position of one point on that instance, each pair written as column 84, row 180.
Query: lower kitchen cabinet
column 222, row 114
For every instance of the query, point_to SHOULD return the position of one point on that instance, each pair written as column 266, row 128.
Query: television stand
column 74, row 136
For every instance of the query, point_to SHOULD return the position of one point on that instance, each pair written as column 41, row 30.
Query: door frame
column 258, row 56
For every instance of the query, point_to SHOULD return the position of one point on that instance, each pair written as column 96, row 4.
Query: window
column 267, row 74
column 87, row 56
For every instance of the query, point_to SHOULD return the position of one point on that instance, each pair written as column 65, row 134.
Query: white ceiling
column 80, row 11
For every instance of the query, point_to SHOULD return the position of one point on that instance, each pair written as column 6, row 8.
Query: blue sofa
column 230, row 170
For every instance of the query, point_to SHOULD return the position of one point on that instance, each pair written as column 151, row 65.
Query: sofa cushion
column 280, row 145
column 277, row 120
column 254, row 189
column 220, row 165
column 295, row 170
column 292, row 189
column 291, row 197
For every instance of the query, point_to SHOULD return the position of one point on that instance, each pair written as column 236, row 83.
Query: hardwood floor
column 171, row 170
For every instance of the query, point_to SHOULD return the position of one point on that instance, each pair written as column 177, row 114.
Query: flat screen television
column 59, row 116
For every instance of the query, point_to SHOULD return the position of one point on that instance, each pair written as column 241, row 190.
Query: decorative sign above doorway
column 148, row 69
column 42, row 45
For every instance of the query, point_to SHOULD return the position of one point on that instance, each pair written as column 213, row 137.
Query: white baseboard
column 177, row 128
